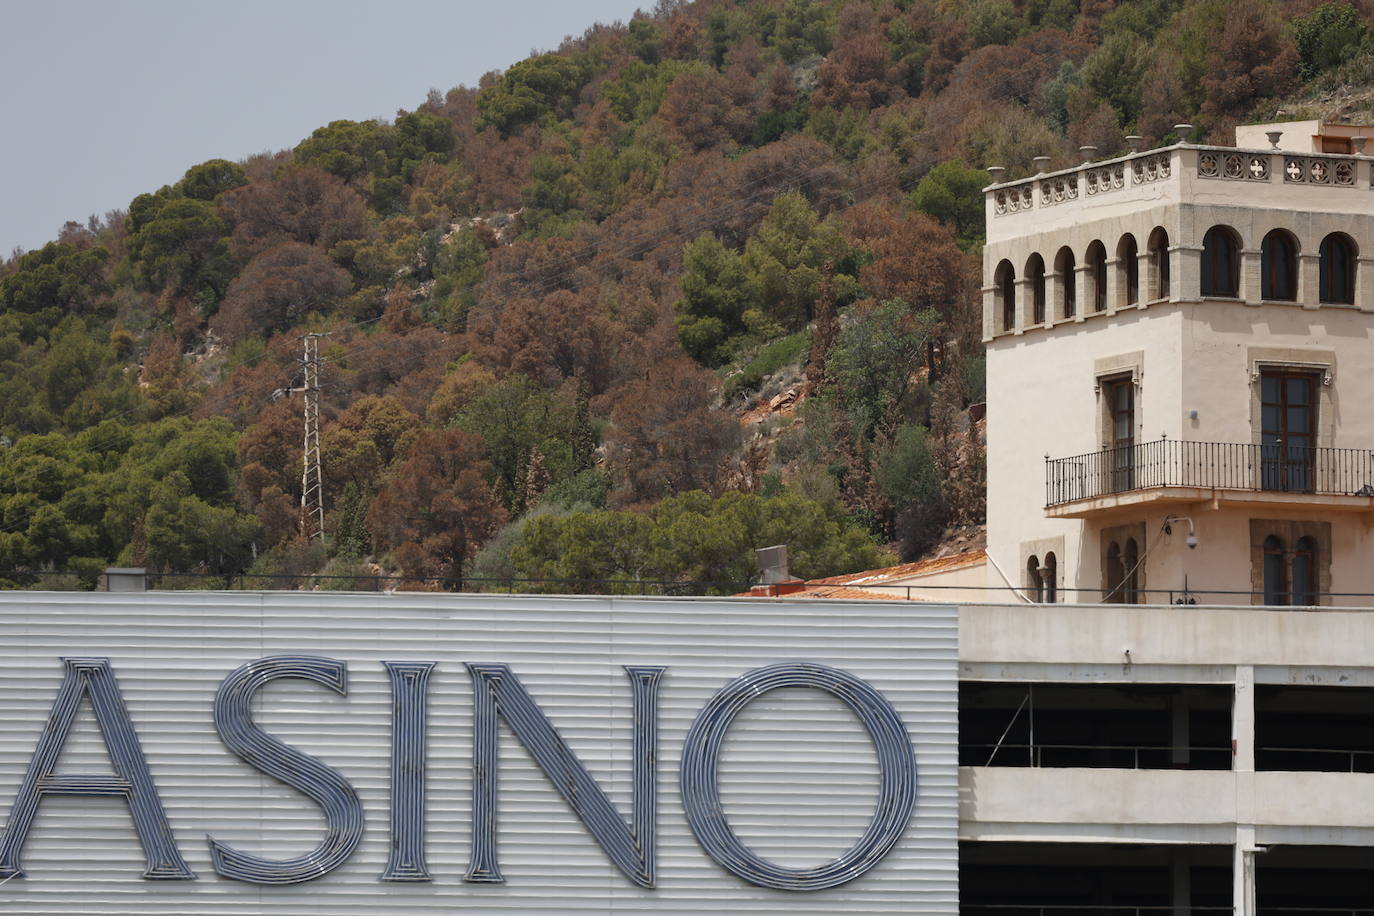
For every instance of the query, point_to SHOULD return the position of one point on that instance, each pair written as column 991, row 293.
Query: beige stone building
column 1180, row 394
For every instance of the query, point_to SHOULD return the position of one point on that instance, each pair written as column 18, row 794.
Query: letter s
column 343, row 812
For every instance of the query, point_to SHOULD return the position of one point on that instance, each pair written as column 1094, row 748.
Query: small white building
column 1180, row 401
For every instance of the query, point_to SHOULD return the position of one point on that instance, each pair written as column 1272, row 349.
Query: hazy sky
column 103, row 101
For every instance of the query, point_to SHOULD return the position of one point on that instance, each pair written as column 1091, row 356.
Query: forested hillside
column 682, row 288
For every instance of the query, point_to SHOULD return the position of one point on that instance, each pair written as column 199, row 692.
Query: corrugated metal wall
column 798, row 772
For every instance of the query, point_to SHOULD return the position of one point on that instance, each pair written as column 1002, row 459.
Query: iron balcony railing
column 1212, row 465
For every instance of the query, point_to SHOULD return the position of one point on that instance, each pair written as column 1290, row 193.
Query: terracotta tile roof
column 836, row 586
column 907, row 570
column 849, row 594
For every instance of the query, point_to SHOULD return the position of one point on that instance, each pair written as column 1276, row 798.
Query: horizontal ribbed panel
column 798, row 772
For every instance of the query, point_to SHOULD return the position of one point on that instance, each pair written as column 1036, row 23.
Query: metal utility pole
column 312, row 478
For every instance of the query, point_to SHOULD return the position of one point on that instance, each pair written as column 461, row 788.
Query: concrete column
column 1185, row 281
column 1116, row 286
column 989, row 312
column 1364, row 283
column 1250, row 276
column 1083, row 278
column 1025, row 305
column 1309, row 279
column 1243, row 872
column 1142, row 277
column 1243, row 762
column 1243, row 721
column 1181, row 864
column 1054, row 293
column 1180, row 754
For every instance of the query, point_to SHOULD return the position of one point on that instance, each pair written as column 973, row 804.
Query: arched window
column 1115, row 575
column 1337, row 269
column 1034, row 583
column 1068, row 290
column 1097, row 268
column 1159, row 264
column 1130, row 586
column 1050, row 575
column 1128, row 270
column 1275, row 572
column 1304, row 572
column 1279, row 267
column 1035, row 273
column 1005, row 281
column 1220, row 263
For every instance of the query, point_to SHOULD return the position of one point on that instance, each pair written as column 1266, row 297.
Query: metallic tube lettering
column 701, row 785
column 409, row 683
column 343, row 811
column 93, row 677
column 498, row 692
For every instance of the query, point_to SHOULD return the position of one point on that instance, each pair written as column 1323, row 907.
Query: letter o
column 701, row 784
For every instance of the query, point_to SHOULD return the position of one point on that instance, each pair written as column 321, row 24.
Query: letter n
column 131, row 781
column 496, row 691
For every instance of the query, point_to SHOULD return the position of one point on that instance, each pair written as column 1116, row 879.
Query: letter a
column 131, row 780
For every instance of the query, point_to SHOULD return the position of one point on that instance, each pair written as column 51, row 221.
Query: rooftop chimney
column 773, row 565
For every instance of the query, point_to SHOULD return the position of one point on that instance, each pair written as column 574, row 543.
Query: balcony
column 1170, row 471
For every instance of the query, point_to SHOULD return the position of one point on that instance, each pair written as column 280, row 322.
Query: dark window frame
column 1279, row 267
column 1337, row 260
column 1005, row 281
column 1066, row 266
column 1220, row 264
column 1035, row 272
column 1096, row 260
column 1158, row 244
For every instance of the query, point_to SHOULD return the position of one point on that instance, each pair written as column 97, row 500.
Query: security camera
column 1191, row 539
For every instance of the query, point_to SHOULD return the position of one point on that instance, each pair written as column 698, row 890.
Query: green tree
column 803, row 28
column 714, row 298
column 515, row 417
column 181, row 244
column 992, row 22
column 1115, row 72
column 1143, row 18
column 691, row 538
column 784, row 261
column 907, row 476
column 1328, row 36
column 644, row 40
column 212, row 178
column 351, row 537
column 875, row 363
column 187, row 534
column 351, row 150
column 953, row 193
column 637, row 93
column 421, row 137
column 551, row 198
column 598, row 545
column 458, row 267
column 47, row 284
column 535, row 87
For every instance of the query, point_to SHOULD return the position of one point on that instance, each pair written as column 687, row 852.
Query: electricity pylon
column 312, row 477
